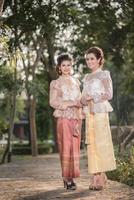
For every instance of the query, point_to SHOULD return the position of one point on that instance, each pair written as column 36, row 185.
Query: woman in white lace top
column 97, row 90
column 65, row 98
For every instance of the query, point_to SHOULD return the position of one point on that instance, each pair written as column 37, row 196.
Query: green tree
column 42, row 29
column 9, row 86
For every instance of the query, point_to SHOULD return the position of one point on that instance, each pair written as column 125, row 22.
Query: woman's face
column 66, row 67
column 92, row 61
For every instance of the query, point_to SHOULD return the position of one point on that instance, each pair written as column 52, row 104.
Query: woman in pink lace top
column 97, row 90
column 65, row 98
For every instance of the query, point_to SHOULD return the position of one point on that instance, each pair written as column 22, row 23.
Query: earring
column 60, row 71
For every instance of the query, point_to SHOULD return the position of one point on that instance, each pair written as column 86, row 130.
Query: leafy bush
column 25, row 149
column 125, row 170
column 3, row 127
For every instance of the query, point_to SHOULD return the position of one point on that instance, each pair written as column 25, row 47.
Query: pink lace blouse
column 97, row 85
column 66, row 90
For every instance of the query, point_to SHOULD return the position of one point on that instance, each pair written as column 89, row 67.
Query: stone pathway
column 40, row 179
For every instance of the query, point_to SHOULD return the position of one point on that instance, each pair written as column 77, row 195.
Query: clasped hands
column 89, row 98
column 70, row 103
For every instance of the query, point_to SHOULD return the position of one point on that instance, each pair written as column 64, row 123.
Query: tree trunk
column 49, row 64
column 33, row 134
column 55, row 148
column 30, row 71
column 34, row 146
column 1, row 6
column 8, row 151
column 11, row 128
column 28, row 117
column 26, row 69
column 127, row 140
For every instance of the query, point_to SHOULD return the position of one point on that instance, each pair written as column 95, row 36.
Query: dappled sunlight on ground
column 40, row 179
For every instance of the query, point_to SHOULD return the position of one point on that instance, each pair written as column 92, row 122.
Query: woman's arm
column 108, row 89
column 55, row 99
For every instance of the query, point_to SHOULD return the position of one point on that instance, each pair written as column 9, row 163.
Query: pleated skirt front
column 99, row 143
column 69, row 146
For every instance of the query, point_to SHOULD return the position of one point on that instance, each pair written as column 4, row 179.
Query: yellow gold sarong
column 99, row 143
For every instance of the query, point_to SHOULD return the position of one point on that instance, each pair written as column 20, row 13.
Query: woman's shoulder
column 76, row 80
column 55, row 83
column 86, row 78
column 105, row 74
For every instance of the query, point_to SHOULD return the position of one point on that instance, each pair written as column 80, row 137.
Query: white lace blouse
column 97, row 85
column 62, row 90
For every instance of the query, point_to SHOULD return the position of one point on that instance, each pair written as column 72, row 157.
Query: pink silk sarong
column 68, row 139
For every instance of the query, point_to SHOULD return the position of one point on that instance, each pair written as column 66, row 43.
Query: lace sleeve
column 55, row 99
column 107, row 82
column 107, row 94
column 84, row 100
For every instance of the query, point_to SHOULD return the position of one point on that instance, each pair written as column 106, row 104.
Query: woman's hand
column 71, row 104
column 65, row 106
column 88, row 98
column 85, row 99
column 78, row 104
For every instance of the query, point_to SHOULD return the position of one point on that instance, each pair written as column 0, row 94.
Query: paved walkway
column 40, row 179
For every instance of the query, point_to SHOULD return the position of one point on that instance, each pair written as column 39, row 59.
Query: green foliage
column 5, row 110
column 36, row 87
column 125, row 170
column 108, row 24
column 3, row 127
column 25, row 149
column 20, row 108
column 7, row 81
column 6, row 78
column 43, row 112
